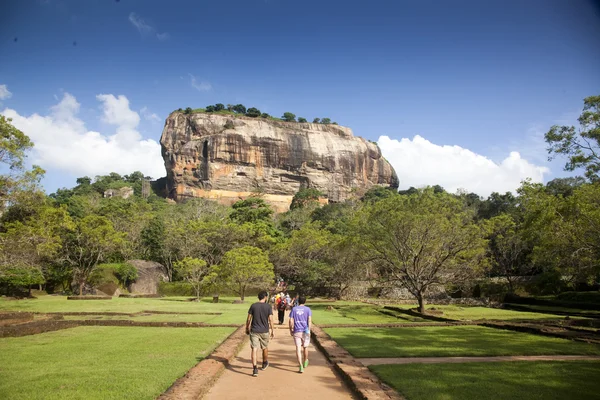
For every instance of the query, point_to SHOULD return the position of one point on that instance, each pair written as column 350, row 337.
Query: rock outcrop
column 228, row 158
column 150, row 273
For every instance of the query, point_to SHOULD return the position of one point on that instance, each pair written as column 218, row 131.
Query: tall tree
column 193, row 271
column 420, row 240
column 246, row 267
column 288, row 117
column 581, row 146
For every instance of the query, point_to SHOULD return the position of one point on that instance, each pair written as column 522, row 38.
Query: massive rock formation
column 229, row 158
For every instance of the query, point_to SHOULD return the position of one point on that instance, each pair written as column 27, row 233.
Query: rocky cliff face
column 230, row 158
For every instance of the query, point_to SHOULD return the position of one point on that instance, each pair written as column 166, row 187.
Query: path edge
column 361, row 381
column 198, row 380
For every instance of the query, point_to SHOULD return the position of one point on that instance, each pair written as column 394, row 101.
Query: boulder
column 150, row 273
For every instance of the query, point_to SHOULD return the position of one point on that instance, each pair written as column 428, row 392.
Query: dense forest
column 544, row 239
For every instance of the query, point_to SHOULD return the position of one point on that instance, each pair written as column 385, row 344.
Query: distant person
column 281, row 306
column 258, row 324
column 300, row 322
column 295, row 301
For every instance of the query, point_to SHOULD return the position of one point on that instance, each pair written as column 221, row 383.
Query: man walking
column 300, row 322
column 258, row 324
column 281, row 309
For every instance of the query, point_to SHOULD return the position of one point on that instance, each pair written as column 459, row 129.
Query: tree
column 301, row 119
column 326, row 121
column 219, row 107
column 253, row 112
column 508, row 250
column 20, row 276
column 229, row 107
column 193, row 271
column 88, row 244
column 265, row 115
column 581, row 146
column 305, row 197
column 288, row 117
column 316, row 120
column 377, row 193
column 252, row 209
column 239, row 109
column 420, row 240
column 564, row 186
column 210, row 109
column 497, row 204
column 246, row 267
column 188, row 110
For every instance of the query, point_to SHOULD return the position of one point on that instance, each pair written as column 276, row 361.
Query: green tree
column 219, row 107
column 246, row 267
column 581, row 146
column 305, row 197
column 188, row 110
column 377, row 193
column 317, row 121
column 301, row 119
column 193, row 271
column 288, row 117
column 265, row 115
column 210, row 109
column 239, row 109
column 253, row 112
column 564, row 186
column 420, row 240
column 326, row 121
column 91, row 242
column 252, row 209
column 20, row 276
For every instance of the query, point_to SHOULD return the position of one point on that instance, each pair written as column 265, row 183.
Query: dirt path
column 281, row 379
column 442, row 360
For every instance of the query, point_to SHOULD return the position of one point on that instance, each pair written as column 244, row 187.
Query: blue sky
column 482, row 78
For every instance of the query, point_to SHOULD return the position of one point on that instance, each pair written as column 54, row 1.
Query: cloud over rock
column 418, row 162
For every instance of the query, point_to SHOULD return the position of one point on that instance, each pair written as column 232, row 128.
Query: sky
column 456, row 93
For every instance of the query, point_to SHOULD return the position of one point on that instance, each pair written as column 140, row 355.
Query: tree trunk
column 243, row 293
column 421, row 303
column 81, row 284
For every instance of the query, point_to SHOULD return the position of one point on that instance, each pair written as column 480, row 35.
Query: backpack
column 281, row 305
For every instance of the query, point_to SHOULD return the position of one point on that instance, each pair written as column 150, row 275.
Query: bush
column 547, row 283
column 175, row 289
column 288, row 117
column 580, row 297
column 188, row 110
column 253, row 112
column 301, row 119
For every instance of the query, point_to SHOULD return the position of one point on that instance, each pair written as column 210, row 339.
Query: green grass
column 147, row 318
column 452, row 341
column 550, row 309
column 357, row 313
column 563, row 380
column 468, row 313
column 101, row 362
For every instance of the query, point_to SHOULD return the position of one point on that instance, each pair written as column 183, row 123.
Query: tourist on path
column 300, row 322
column 281, row 306
column 258, row 324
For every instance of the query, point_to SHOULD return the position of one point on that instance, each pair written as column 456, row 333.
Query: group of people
column 259, row 326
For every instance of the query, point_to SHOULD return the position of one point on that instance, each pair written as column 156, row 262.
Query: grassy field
column 452, row 341
column 563, row 380
column 101, row 362
column 358, row 313
column 467, row 313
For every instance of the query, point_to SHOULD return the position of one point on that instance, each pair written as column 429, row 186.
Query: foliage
column 582, row 147
column 288, row 117
column 253, row 209
column 316, row 120
column 20, row 276
column 188, row 110
column 325, row 121
column 377, row 193
column 239, row 109
column 193, row 271
column 301, row 119
column 253, row 112
column 420, row 240
column 246, row 267
column 305, row 197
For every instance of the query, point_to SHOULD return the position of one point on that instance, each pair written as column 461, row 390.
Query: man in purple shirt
column 300, row 321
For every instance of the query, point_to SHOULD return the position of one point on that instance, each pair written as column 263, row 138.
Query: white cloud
column 4, row 93
column 149, row 116
column 418, row 162
column 146, row 28
column 63, row 142
column 200, row 86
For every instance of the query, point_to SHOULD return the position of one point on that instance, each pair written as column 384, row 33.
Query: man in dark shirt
column 258, row 324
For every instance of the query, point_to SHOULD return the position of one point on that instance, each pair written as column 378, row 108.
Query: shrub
column 317, row 121
column 210, row 109
column 219, row 107
column 239, row 109
column 326, row 121
column 265, row 115
column 289, row 117
column 188, row 110
column 253, row 112
column 301, row 119
column 175, row 289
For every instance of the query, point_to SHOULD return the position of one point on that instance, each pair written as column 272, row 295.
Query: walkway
column 281, row 379
column 442, row 360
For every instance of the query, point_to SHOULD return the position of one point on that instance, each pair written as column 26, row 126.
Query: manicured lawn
column 101, row 362
column 357, row 314
column 452, row 341
column 148, row 318
column 557, row 380
column 467, row 313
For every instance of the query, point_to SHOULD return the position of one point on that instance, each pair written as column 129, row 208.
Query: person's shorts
column 259, row 338
column 302, row 339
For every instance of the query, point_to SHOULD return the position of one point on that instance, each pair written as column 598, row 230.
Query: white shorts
column 302, row 339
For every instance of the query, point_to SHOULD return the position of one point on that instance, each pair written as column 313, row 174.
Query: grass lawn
column 147, row 318
column 467, row 313
column 550, row 309
column 452, row 341
column 557, row 380
column 101, row 362
column 358, row 313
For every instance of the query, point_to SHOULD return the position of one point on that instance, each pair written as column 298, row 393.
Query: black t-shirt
column 260, row 317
